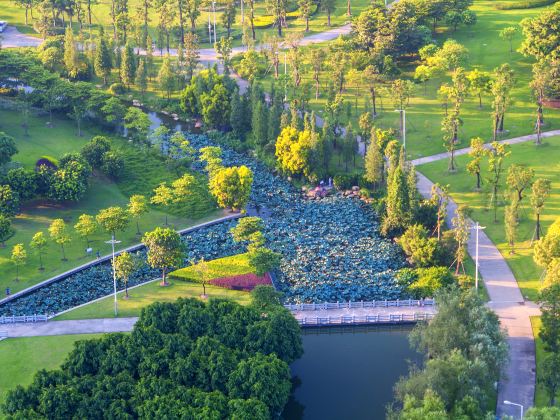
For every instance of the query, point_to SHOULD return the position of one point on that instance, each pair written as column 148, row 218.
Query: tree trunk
column 329, row 18
column 478, row 180
column 373, row 100
column 163, row 281
column 63, row 253
column 89, row 12
column 480, row 100
column 306, row 24
column 138, row 228
column 316, row 86
column 279, row 27
column 126, row 289
column 501, row 129
column 41, row 268
column 538, row 227
column 181, row 23
column 348, row 11
column 26, row 16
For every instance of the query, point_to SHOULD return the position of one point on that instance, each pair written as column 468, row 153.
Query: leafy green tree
column 430, row 407
column 542, row 413
column 549, row 299
column 165, row 250
column 39, row 243
column 127, row 71
column 86, row 226
column 114, row 111
column 259, row 123
column 59, row 235
column 519, row 178
column 461, row 232
column 113, row 164
column 9, row 201
column 232, row 187
column 397, row 212
column 94, row 150
column 137, row 206
column 265, row 297
column 418, row 246
column 508, row 34
column 215, row 106
column 7, row 148
column 228, row 16
column 18, row 258
column 142, row 77
column 163, row 196
column 113, row 219
column 263, row 260
column 549, row 377
column 166, row 78
column 539, row 193
column 510, row 225
column 329, row 7
column 247, row 228
column 70, row 54
column 138, row 124
column 374, row 164
column 305, row 9
column 223, row 49
column 293, row 149
column 6, row 230
column 23, row 182
column 124, row 267
column 480, row 83
column 102, row 62
column 476, row 154
column 541, row 40
column 501, row 90
column 70, row 182
column 496, row 155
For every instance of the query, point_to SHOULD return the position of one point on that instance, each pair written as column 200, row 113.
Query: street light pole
column 214, row 11
column 403, row 125
column 113, row 242
column 477, row 227
column 209, row 29
column 506, row 402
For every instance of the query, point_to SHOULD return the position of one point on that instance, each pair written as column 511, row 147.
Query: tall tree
column 166, row 78
column 374, row 164
column 228, row 16
column 137, row 206
column 191, row 54
column 539, row 193
column 479, row 84
column 476, row 153
column 124, row 267
column 508, row 33
column 6, row 230
column 165, row 250
column 328, row 6
column 102, row 62
column 397, row 211
column 501, row 90
column 223, row 49
column 39, row 243
column 113, row 219
column 305, row 9
column 128, row 66
column 496, row 156
column 19, row 257
column 278, row 9
column 316, row 58
column 163, row 196
column 86, row 226
column 142, row 76
column 70, row 54
column 549, row 299
column 59, row 235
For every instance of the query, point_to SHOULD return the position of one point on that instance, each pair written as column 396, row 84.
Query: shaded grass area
column 144, row 171
column 544, row 161
column 234, row 265
column 20, row 358
column 144, row 295
column 541, row 396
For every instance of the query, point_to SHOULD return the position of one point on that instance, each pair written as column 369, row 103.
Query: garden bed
column 245, row 282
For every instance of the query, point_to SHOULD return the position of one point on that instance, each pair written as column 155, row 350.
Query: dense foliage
column 183, row 360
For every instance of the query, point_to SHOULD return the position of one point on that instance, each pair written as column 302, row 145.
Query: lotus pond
column 331, row 248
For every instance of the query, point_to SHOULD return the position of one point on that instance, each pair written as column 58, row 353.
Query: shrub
column 344, row 182
column 245, row 282
column 117, row 89
column 48, row 161
column 113, row 164
column 429, row 281
column 418, row 247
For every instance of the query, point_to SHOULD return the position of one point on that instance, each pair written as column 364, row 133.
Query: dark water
column 348, row 372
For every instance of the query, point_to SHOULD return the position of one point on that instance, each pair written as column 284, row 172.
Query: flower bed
column 331, row 248
column 246, row 282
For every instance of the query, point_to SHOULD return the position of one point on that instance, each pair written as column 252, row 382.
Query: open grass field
column 101, row 17
column 425, row 112
column 185, row 283
column 143, row 172
column 20, row 358
column 544, row 161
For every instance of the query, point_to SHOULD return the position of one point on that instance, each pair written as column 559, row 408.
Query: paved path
column 85, row 326
column 12, row 38
column 518, row 383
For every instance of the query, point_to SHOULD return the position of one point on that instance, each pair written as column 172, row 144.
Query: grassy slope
column 152, row 292
column 142, row 174
column 20, row 358
column 544, row 160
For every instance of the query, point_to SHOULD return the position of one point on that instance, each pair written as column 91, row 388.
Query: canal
column 348, row 372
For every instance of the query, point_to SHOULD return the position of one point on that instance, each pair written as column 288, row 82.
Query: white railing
column 365, row 319
column 362, row 304
column 23, row 318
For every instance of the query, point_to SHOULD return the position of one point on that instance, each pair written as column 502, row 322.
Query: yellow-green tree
column 19, row 257
column 137, row 206
column 39, row 243
column 293, row 150
column 232, row 186
column 163, row 196
column 86, row 226
column 124, row 266
column 59, row 234
column 113, row 219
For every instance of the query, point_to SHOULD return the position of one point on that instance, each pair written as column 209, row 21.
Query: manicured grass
column 222, row 267
column 147, row 294
column 20, row 358
column 143, row 171
column 544, row 161
column 541, row 397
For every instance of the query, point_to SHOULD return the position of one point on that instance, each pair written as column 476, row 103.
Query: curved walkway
column 518, row 383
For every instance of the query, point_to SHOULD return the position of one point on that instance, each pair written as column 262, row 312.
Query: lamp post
column 214, row 12
column 403, row 125
column 478, row 228
column 209, row 30
column 506, row 402
column 113, row 242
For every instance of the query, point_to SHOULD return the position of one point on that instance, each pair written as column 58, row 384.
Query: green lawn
column 541, row 397
column 222, row 267
column 143, row 172
column 20, row 358
column 544, row 160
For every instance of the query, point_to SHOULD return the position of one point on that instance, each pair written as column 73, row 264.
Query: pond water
column 348, row 372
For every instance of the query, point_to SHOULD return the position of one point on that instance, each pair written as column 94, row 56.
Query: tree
column 70, row 182
column 549, row 377
column 374, row 164
column 496, row 155
column 166, row 78
column 6, row 230
column 293, row 150
column 328, row 6
column 163, row 196
column 127, row 71
column 543, row 413
column 124, row 266
column 232, row 187
column 519, row 178
column 430, row 407
column 247, row 229
column 549, row 299
column 418, row 246
column 440, row 196
column 305, row 9
column 7, row 148
column 423, row 74
column 27, row 5
column 397, row 212
column 539, row 193
column 480, row 83
column 476, row 153
column 102, row 60
column 19, row 257
column 277, row 8
column 86, row 226
column 137, row 206
column 70, row 54
column 137, row 123
column 223, row 49
column 93, row 151
column 165, row 250
column 265, row 297
column 263, row 260
column 508, row 33
column 228, row 16
column 9, row 201
column 113, row 219
column 316, row 58
column 461, row 232
column 541, row 34
column 501, row 90
column 510, row 225
column 59, row 235
column 142, row 77
column 450, row 127
column 39, row 243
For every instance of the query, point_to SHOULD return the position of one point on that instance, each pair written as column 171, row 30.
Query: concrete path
column 12, row 38
column 518, row 383
column 85, row 326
